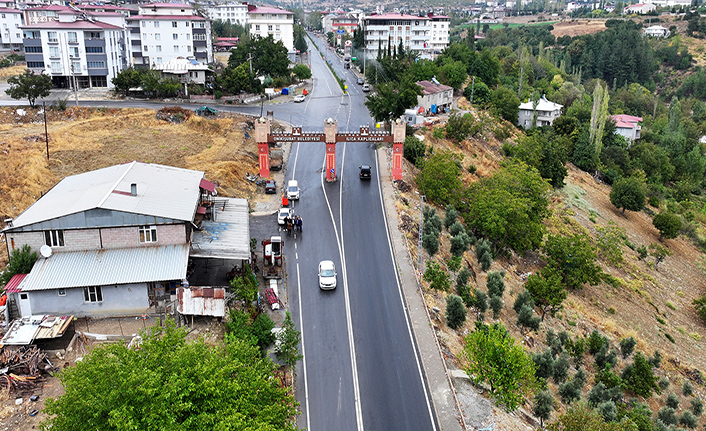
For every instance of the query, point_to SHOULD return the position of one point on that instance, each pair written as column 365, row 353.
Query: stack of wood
column 21, row 368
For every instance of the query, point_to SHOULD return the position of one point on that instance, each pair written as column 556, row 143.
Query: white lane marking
column 295, row 245
column 301, row 329
column 402, row 303
column 349, row 321
column 296, row 157
column 296, row 255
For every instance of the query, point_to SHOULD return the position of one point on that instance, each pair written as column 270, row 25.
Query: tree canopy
column 391, row 100
column 439, row 178
column 29, row 86
column 628, row 193
column 574, row 258
column 268, row 57
column 171, row 383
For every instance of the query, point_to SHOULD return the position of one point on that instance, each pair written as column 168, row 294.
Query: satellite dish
column 45, row 251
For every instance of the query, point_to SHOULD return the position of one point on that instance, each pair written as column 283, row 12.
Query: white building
column 234, row 13
column 656, row 31
column 547, row 112
column 45, row 13
column 185, row 71
column 439, row 39
column 640, row 8
column 10, row 31
column 265, row 21
column 76, row 51
column 334, row 22
column 165, row 31
column 627, row 126
column 390, row 29
column 436, row 97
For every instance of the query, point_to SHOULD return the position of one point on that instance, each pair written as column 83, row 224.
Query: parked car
column 327, row 275
column 299, row 99
column 366, row 88
column 293, row 190
column 270, row 187
column 365, row 172
column 282, row 214
column 361, row 81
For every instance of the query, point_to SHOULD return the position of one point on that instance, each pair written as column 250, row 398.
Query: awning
column 13, row 286
column 227, row 236
column 108, row 267
column 205, row 184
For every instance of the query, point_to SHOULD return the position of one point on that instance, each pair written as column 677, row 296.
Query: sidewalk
column 439, row 384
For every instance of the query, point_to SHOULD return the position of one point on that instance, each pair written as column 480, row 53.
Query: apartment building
column 265, row 21
column 10, row 29
column 439, row 37
column 347, row 23
column 161, row 32
column 414, row 32
column 234, row 13
column 76, row 50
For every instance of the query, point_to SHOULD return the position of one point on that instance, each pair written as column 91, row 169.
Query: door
column 25, row 306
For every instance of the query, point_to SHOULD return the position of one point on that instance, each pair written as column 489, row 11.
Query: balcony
column 196, row 30
column 201, row 55
column 200, row 43
column 53, row 40
column 32, row 42
column 135, row 30
column 94, row 42
column 136, row 42
column 73, row 41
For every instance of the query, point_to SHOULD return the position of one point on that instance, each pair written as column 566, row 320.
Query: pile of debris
column 21, row 368
column 174, row 114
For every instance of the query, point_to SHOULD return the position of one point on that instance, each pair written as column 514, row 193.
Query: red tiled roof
column 266, row 9
column 14, row 283
column 170, row 5
column 75, row 24
column 103, row 6
column 51, row 7
column 169, row 17
column 626, row 118
column 9, row 10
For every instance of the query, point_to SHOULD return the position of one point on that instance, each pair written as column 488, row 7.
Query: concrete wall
column 128, row 299
column 95, row 239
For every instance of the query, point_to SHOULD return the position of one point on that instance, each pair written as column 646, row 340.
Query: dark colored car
column 365, row 172
column 270, row 187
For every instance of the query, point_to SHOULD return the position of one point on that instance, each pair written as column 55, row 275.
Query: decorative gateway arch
column 330, row 136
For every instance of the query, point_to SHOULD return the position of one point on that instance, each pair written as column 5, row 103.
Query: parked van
column 293, row 189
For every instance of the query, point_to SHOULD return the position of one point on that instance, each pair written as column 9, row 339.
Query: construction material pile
column 22, row 368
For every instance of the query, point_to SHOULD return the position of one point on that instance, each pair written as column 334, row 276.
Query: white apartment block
column 347, row 22
column 415, row 33
column 10, row 29
column 76, row 50
column 265, row 21
column 439, row 39
column 162, row 32
column 234, row 13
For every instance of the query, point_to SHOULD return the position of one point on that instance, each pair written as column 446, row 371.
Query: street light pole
column 73, row 80
column 421, row 233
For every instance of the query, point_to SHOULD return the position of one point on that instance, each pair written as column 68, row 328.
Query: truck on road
column 276, row 159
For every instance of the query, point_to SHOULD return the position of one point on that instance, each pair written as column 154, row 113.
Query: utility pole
column 250, row 60
column 73, row 79
column 420, row 248
column 46, row 132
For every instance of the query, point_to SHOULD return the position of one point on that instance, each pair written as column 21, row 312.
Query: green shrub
column 608, row 411
column 455, row 311
column 495, row 283
column 672, row 401
column 496, row 304
column 544, row 364
column 414, row 150
column 437, row 278
column 481, row 301
column 627, row 346
column 667, row 415
column 688, row 420
column 687, row 389
column 595, row 342
column 456, row 228
column 663, row 383
column 560, row 371
column 697, row 406
column 430, row 242
column 526, row 318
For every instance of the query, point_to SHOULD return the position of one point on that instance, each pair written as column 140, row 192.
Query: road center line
column 349, row 322
column 301, row 328
column 402, row 303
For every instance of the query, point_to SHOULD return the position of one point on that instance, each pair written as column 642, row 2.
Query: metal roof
column 227, row 235
column 162, row 191
column 12, row 286
column 108, row 267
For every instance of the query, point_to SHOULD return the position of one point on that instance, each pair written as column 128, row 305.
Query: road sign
column 340, row 31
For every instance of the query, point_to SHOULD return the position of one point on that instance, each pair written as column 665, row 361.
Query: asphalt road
column 360, row 369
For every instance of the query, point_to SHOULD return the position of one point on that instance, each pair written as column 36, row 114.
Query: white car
column 282, row 214
column 327, row 275
column 299, row 99
column 293, row 190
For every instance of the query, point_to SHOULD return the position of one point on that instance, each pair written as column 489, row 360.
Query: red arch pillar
column 330, row 131
column 262, row 129
column 398, row 134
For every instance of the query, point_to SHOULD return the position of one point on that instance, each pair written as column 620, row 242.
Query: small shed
column 202, row 301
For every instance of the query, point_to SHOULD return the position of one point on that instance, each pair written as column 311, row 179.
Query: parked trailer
column 273, row 258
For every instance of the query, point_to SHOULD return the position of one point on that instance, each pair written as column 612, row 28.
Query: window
column 144, row 48
column 56, row 66
column 159, row 60
column 257, row 27
column 269, row 27
column 144, row 23
column 35, row 64
column 96, row 64
column 157, row 36
column 188, row 48
column 54, row 51
column 174, row 24
column 94, row 49
column 72, row 37
column 155, row 24
column 75, row 67
column 148, row 233
column 188, row 36
column 158, row 48
column 92, row 294
column 175, row 36
column 52, row 37
column 54, row 238
column 62, row 292
column 73, row 51
column 35, row 49
column 176, row 48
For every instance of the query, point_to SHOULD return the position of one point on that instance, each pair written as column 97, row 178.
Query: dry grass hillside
column 651, row 304
column 83, row 139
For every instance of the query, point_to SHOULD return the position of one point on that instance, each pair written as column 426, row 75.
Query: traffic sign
column 340, row 31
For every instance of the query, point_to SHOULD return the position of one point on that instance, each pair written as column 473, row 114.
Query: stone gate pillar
column 330, row 131
column 262, row 129
column 398, row 135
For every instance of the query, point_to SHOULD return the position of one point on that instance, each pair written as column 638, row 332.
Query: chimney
column 133, row 189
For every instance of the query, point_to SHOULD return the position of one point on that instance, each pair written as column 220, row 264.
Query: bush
column 576, row 348
column 560, row 371
column 663, row 383
column 687, row 389
column 688, row 420
column 21, row 262
column 460, row 127
column 697, row 406
column 459, row 244
column 456, row 228
column 437, row 278
column 484, row 254
column 430, row 242
column 301, row 71
column 496, row 304
column 432, row 221
column 642, row 252
column 667, row 415
column 639, row 377
column 462, row 278
column 481, row 301
column 495, row 283
column 627, row 345
column 655, row 360
column 440, row 177
column 596, row 342
column 450, row 216
column 544, row 363
column 569, row 392
column 608, row 411
column 672, row 401
column 262, row 330
column 455, row 311
column 414, row 150
column 523, row 298
column 526, row 318
column 606, row 357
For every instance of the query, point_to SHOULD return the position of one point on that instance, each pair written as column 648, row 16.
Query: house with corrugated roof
column 436, row 97
column 627, row 126
column 546, row 111
column 117, row 240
